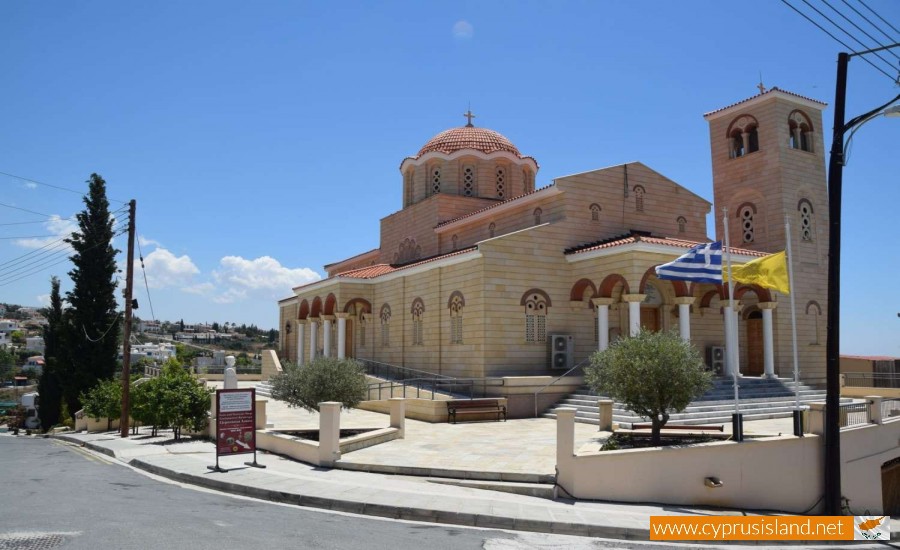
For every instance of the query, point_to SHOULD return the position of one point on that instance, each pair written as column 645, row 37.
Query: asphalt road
column 56, row 495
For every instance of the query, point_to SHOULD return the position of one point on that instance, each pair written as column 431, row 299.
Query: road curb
column 86, row 444
column 398, row 512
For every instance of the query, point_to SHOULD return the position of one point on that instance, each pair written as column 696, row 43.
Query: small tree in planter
column 103, row 401
column 325, row 379
column 654, row 374
column 172, row 400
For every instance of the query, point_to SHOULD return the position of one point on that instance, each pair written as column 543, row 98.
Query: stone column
column 398, row 414
column 634, row 312
column 326, row 335
column 565, row 435
column 605, row 413
column 684, row 316
column 342, row 334
column 768, row 339
column 301, row 341
column 797, row 141
column 745, row 137
column 313, row 337
column 602, row 305
column 329, row 433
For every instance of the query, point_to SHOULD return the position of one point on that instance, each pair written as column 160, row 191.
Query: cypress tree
column 50, row 385
column 92, row 327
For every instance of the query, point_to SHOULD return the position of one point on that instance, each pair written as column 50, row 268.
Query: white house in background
column 158, row 352
column 149, row 326
column 35, row 343
column 35, row 362
column 8, row 325
column 4, row 339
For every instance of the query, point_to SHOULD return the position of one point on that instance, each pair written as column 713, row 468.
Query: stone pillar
column 326, row 335
column 875, row 408
column 817, row 418
column 605, row 410
column 634, row 312
column 565, row 435
column 684, row 316
column 313, row 337
column 329, row 433
column 398, row 414
column 768, row 339
column 796, row 132
column 745, row 137
column 301, row 341
column 342, row 335
column 230, row 377
column 602, row 305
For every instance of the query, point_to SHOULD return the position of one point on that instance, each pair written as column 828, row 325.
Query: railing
column 872, row 380
column 396, row 372
column 555, row 380
column 237, row 370
column 890, row 408
column 452, row 387
column 855, row 414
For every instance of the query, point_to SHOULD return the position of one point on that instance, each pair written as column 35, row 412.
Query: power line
column 26, row 210
column 50, row 246
column 843, row 30
column 859, row 28
column 836, row 39
column 59, row 187
column 879, row 17
column 27, row 237
column 869, row 21
column 146, row 286
column 38, row 221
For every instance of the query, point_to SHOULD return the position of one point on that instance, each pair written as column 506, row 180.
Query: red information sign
column 235, row 422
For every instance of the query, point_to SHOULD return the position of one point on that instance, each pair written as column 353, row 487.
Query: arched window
column 595, row 212
column 743, row 137
column 468, row 181
column 417, row 311
column 455, row 240
column 435, row 179
column 807, row 228
column 537, row 216
column 682, row 224
column 638, row 198
column 813, row 312
column 455, row 304
column 385, row 316
column 492, row 229
column 500, row 182
column 745, row 216
column 801, row 131
column 362, row 329
column 536, row 303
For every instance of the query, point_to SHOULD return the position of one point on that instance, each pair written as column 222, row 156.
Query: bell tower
column 768, row 162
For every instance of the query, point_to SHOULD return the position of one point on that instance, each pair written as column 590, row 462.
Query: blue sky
column 262, row 140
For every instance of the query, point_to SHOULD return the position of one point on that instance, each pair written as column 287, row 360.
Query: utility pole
column 126, row 333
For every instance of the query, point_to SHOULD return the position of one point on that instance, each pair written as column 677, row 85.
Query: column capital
column 301, row 322
column 634, row 297
column 597, row 302
column 342, row 315
column 767, row 305
column 328, row 317
column 685, row 300
column 313, row 320
column 733, row 304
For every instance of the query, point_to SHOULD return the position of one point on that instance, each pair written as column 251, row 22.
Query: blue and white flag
column 702, row 264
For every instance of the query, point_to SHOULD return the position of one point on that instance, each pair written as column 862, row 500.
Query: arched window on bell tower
column 801, row 131
column 743, row 136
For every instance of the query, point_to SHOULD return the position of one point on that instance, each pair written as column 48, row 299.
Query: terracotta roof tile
column 501, row 203
column 773, row 89
column 378, row 270
column 636, row 237
column 469, row 137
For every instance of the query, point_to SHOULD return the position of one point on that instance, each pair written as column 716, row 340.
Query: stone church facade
column 479, row 272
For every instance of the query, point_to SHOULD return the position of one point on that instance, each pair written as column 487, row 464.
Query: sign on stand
column 235, row 425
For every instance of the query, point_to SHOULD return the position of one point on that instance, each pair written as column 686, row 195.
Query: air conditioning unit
column 562, row 351
column 715, row 359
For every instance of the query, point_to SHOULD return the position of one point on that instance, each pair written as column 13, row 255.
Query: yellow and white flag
column 768, row 272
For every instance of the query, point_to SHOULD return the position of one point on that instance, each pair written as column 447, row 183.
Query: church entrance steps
column 760, row 399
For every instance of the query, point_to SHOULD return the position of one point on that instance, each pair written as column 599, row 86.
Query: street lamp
column 832, row 499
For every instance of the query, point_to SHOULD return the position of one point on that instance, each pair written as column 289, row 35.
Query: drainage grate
column 32, row 541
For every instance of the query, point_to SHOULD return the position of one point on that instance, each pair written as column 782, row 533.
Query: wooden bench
column 474, row 406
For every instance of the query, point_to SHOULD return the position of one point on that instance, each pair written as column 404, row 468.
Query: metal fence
column 451, row 387
column 872, row 380
column 237, row 370
column 890, row 408
column 854, row 414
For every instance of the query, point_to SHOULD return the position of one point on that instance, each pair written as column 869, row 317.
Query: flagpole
column 798, row 426
column 737, row 425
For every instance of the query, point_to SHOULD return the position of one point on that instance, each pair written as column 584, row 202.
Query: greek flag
column 702, row 264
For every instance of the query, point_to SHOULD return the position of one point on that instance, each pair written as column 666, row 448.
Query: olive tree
column 653, row 374
column 324, row 379
column 172, row 400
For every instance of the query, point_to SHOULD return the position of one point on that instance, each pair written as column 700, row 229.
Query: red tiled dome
column 469, row 137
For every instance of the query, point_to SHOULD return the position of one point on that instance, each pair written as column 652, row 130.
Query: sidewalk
column 520, row 450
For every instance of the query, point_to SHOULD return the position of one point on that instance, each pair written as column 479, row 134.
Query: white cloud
column 43, row 299
column 200, row 288
column 58, row 228
column 30, row 185
column 164, row 269
column 144, row 241
column 463, row 30
column 263, row 273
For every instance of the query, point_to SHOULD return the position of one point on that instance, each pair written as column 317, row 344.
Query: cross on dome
column 468, row 114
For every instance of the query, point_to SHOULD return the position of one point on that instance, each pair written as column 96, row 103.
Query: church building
column 479, row 274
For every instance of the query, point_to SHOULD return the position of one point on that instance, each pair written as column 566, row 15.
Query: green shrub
column 103, row 401
column 325, row 379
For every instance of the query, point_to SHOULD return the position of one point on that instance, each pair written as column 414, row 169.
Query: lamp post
column 832, row 499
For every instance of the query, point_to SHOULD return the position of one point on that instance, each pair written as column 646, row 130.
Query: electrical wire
column 838, row 40
column 869, row 21
column 843, row 30
column 27, row 237
column 61, row 242
column 860, row 29
column 879, row 17
column 38, row 221
column 59, row 187
column 26, row 210
column 146, row 286
column 102, row 336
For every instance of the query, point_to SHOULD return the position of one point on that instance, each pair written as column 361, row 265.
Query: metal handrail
column 872, row 379
column 377, row 368
column 855, row 414
column 436, row 385
column 554, row 381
